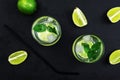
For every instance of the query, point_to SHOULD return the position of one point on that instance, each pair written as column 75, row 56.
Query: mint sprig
column 50, row 29
column 39, row 28
column 96, row 46
column 86, row 47
column 93, row 51
column 43, row 27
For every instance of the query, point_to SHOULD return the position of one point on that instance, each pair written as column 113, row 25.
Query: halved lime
column 17, row 57
column 114, row 14
column 115, row 57
column 79, row 18
column 48, row 32
column 88, row 48
column 80, row 50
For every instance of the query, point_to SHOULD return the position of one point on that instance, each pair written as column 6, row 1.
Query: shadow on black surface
column 106, row 60
column 105, row 18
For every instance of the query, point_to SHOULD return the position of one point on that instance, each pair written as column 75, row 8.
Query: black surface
column 57, row 62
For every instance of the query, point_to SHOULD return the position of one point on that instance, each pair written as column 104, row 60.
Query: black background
column 57, row 62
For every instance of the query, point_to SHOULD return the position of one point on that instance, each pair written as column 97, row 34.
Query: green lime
column 27, row 6
column 115, row 57
column 114, row 14
column 79, row 18
column 88, row 48
column 17, row 57
column 46, row 31
column 47, row 36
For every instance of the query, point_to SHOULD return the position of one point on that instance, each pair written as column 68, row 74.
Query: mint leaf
column 87, row 50
column 40, row 28
column 50, row 29
column 86, row 47
column 96, row 46
column 92, row 52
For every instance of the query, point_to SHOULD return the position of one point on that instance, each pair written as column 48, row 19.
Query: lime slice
column 79, row 18
column 115, row 57
column 47, row 36
column 80, row 50
column 17, row 57
column 114, row 14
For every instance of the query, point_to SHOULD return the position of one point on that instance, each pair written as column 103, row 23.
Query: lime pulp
column 17, row 57
column 79, row 18
column 115, row 57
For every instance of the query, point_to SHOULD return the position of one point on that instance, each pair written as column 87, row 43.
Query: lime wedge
column 80, row 50
column 79, row 18
column 114, row 14
column 17, row 57
column 47, row 36
column 115, row 57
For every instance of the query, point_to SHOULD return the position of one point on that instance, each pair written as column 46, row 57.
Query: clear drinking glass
column 46, row 31
column 88, row 48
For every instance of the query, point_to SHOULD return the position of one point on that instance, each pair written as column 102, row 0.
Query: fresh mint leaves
column 50, row 29
column 96, row 46
column 40, row 28
column 43, row 27
column 93, row 51
column 86, row 47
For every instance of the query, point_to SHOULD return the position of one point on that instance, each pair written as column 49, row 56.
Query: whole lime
column 27, row 6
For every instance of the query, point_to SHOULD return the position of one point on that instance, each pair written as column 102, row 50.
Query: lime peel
column 114, row 14
column 114, row 57
column 27, row 6
column 79, row 18
column 17, row 57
